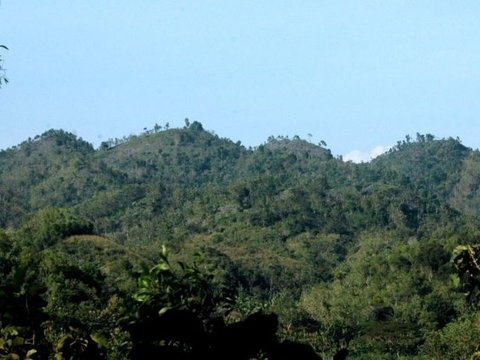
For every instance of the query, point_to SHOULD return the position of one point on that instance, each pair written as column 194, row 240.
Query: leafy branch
column 3, row 78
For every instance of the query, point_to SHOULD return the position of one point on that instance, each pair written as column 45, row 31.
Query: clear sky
column 358, row 74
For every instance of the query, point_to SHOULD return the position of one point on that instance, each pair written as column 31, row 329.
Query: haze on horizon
column 359, row 75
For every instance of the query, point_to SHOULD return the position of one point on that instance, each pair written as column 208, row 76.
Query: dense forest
column 179, row 244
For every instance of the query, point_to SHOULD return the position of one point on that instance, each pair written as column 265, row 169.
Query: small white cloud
column 378, row 150
column 357, row 156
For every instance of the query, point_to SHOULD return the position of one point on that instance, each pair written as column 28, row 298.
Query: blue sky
column 358, row 74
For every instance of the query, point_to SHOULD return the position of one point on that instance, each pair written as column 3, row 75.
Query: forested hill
column 350, row 256
column 60, row 170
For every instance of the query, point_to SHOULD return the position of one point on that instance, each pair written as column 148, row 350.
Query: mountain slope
column 348, row 255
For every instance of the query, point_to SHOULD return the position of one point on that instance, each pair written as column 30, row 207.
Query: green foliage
column 76, row 344
column 467, row 263
column 466, row 193
column 457, row 341
column 350, row 256
column 48, row 226
column 182, row 315
column 164, row 288
column 3, row 78
column 14, row 346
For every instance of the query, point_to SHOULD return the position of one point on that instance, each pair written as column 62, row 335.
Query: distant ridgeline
column 276, row 252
